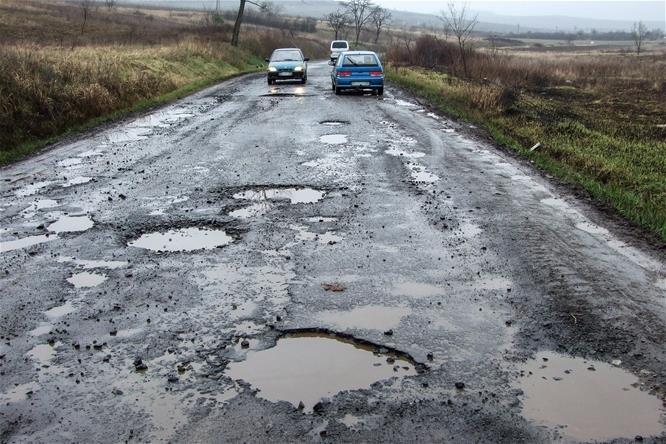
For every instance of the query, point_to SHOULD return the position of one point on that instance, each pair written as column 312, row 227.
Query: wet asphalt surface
column 372, row 219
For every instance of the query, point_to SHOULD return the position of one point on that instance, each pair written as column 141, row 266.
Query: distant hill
column 488, row 22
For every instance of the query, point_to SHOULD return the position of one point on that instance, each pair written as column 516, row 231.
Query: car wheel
column 270, row 82
column 380, row 91
column 303, row 80
column 337, row 91
column 332, row 86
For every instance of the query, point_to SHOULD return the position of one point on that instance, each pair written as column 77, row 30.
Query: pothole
column 310, row 365
column 334, row 139
column 60, row 311
column 71, row 224
column 183, row 239
column 334, row 122
column 592, row 400
column 86, row 279
column 294, row 195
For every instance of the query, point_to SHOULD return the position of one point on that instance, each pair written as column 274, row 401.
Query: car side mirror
column 306, row 59
column 267, row 60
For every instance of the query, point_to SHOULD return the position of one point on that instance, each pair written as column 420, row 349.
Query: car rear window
column 360, row 60
column 339, row 45
column 286, row 56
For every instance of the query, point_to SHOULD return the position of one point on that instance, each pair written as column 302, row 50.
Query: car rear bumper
column 286, row 75
column 359, row 82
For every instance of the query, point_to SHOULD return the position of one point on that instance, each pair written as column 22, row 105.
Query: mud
column 183, row 239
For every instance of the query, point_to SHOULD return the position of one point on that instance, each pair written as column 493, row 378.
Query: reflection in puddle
column 80, row 180
column 70, row 224
column 42, row 354
column 326, row 238
column 334, row 122
column 25, row 242
column 31, row 189
column 417, row 289
column 19, row 393
column 86, row 279
column 254, row 210
column 369, row 317
column 42, row 329
column 184, row 239
column 295, row 195
column 60, row 311
column 598, row 404
column 308, row 367
column 334, row 139
column 70, row 162
column 37, row 205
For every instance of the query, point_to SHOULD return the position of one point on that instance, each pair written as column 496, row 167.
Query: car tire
column 380, row 91
column 332, row 86
column 270, row 82
column 303, row 80
column 337, row 91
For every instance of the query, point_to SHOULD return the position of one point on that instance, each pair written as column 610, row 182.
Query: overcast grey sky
column 609, row 10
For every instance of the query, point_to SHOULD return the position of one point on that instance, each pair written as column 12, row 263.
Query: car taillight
column 376, row 73
column 344, row 73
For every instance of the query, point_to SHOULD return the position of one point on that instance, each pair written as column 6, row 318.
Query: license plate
column 285, row 74
column 360, row 83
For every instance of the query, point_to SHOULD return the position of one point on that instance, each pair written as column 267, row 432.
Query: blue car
column 358, row 70
column 287, row 64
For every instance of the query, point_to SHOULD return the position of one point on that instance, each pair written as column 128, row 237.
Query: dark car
column 287, row 64
column 358, row 70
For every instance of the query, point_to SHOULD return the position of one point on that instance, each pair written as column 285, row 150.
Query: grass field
column 601, row 121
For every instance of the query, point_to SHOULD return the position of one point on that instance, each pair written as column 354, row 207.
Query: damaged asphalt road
column 280, row 264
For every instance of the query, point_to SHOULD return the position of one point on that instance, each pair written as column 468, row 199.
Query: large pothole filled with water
column 588, row 400
column 305, row 367
column 295, row 195
column 183, row 239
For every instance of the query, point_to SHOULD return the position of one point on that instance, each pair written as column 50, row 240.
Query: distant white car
column 338, row 47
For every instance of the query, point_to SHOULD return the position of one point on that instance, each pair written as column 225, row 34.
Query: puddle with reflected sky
column 15, row 244
column 294, row 195
column 334, row 139
column 71, row 224
column 183, row 239
column 599, row 404
column 308, row 367
column 86, row 279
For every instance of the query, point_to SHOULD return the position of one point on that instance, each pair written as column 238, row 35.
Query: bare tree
column 110, row 4
column 239, row 19
column 86, row 6
column 360, row 12
column 461, row 22
column 380, row 17
column 337, row 21
column 639, row 33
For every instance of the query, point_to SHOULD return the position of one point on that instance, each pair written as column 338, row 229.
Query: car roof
column 287, row 49
column 359, row 52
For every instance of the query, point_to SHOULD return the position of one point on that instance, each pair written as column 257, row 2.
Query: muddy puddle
column 16, row 244
column 294, row 195
column 32, row 188
column 249, row 212
column 60, row 311
column 183, row 239
column 91, row 264
column 86, row 279
column 329, row 237
column 308, row 367
column 71, row 224
column 589, row 400
column 42, row 329
column 79, row 180
column 369, row 317
column 42, row 354
column 333, row 139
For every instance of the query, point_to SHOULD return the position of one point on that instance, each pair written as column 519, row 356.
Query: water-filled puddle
column 294, row 195
column 334, row 139
column 79, row 180
column 60, row 311
column 86, row 279
column 308, row 367
column 25, row 242
column 184, row 239
column 32, row 188
column 592, row 400
column 70, row 162
column 42, row 329
column 254, row 210
column 334, row 122
column 90, row 264
column 42, row 354
column 369, row 317
column 71, row 224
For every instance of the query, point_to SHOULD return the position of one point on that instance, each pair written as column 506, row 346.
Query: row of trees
column 359, row 15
